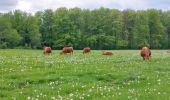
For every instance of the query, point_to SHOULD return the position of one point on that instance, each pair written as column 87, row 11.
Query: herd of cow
column 145, row 51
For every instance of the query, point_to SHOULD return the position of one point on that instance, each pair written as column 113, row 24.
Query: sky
column 32, row 6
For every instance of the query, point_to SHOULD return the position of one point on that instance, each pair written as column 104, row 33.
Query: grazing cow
column 145, row 53
column 107, row 53
column 66, row 50
column 168, row 51
column 86, row 50
column 47, row 50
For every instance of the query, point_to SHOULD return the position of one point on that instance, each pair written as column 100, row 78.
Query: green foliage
column 101, row 28
column 122, row 43
column 129, row 27
column 47, row 27
column 156, row 28
column 165, row 19
column 9, row 37
column 141, row 30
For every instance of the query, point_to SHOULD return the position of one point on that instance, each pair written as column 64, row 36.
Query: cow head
column 147, row 57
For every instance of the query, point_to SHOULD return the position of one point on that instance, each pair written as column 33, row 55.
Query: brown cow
column 145, row 53
column 107, row 53
column 66, row 50
column 168, row 51
column 47, row 50
column 86, row 50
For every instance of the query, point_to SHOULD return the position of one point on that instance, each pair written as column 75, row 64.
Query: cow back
column 86, row 50
column 107, row 53
column 47, row 50
column 67, row 50
column 145, row 53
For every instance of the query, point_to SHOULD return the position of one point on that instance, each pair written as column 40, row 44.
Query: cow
column 47, row 50
column 66, row 50
column 107, row 53
column 86, row 50
column 145, row 53
column 168, row 51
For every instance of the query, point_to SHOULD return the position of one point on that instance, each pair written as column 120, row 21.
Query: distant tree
column 32, row 29
column 115, row 28
column 141, row 30
column 165, row 19
column 9, row 37
column 47, row 28
column 156, row 28
column 128, row 27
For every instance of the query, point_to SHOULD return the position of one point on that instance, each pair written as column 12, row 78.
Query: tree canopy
column 101, row 28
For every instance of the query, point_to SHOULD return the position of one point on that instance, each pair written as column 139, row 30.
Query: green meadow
column 30, row 75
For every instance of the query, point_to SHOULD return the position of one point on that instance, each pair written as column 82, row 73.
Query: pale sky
column 39, row 5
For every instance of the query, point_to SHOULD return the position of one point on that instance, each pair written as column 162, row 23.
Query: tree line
column 101, row 28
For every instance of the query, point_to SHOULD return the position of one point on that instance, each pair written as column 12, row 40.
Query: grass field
column 28, row 74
